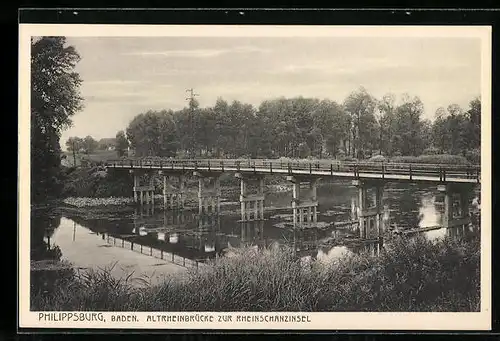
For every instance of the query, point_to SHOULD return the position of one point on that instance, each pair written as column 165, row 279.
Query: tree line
column 88, row 144
column 359, row 127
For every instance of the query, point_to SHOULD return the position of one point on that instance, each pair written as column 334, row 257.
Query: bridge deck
column 409, row 172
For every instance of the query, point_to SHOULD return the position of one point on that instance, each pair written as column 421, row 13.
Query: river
column 152, row 243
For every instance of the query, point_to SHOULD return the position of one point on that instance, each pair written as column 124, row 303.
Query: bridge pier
column 143, row 194
column 451, row 216
column 371, row 223
column 175, row 199
column 208, row 192
column 246, row 199
column 304, row 205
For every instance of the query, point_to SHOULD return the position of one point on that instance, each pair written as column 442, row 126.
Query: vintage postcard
column 255, row 177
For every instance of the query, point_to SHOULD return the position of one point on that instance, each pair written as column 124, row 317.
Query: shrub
column 348, row 159
column 432, row 159
column 431, row 151
column 409, row 275
column 474, row 156
column 443, row 158
column 96, row 182
column 378, row 158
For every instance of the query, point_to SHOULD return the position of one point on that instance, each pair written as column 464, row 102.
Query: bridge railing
column 356, row 167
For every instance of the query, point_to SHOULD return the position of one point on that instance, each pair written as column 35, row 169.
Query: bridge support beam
column 371, row 223
column 246, row 200
column 304, row 203
column 143, row 194
column 173, row 198
column 208, row 192
column 456, row 215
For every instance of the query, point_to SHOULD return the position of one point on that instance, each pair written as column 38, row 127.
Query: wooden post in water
column 217, row 194
column 136, row 184
column 379, row 208
column 463, row 218
column 247, row 200
column 243, row 194
column 261, row 202
column 182, row 188
column 295, row 200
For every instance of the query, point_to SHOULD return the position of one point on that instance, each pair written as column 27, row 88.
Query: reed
column 410, row 275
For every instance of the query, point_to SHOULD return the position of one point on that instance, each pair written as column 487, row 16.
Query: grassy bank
column 411, row 275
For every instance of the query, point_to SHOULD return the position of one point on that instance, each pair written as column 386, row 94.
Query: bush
column 431, row 151
column 348, row 159
column 474, row 156
column 432, row 159
column 96, row 182
column 378, row 158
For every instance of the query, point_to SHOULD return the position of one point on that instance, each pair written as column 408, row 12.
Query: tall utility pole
column 191, row 96
column 191, row 107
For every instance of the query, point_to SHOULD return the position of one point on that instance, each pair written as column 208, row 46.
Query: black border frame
column 281, row 16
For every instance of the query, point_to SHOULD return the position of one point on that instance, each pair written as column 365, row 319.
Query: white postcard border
column 201, row 320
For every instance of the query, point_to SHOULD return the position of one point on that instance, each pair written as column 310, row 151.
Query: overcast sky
column 123, row 77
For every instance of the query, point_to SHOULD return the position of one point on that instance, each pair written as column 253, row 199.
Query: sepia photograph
column 268, row 175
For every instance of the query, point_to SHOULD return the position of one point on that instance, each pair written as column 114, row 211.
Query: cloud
column 197, row 53
column 367, row 67
column 107, row 82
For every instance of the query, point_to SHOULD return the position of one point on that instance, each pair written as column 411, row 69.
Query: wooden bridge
column 451, row 180
column 388, row 171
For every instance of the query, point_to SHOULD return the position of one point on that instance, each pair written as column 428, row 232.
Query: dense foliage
column 95, row 181
column 360, row 127
column 55, row 98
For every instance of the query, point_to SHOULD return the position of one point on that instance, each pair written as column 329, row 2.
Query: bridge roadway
column 398, row 172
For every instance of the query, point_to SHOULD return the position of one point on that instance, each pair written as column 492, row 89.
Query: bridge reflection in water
column 190, row 240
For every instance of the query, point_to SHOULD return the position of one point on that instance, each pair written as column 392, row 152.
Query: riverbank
column 410, row 275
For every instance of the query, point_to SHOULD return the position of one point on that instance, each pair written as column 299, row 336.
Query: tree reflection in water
column 407, row 215
column 46, row 277
column 43, row 224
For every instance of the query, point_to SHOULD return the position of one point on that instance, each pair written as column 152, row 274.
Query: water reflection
column 44, row 223
column 187, row 236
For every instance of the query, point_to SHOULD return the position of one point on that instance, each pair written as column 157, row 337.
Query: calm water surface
column 155, row 242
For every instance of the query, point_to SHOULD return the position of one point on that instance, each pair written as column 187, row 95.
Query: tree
column 153, row 134
column 89, row 144
column 121, row 146
column 74, row 144
column 387, row 108
column 106, row 143
column 329, row 127
column 55, row 98
column 441, row 137
column 474, row 123
column 360, row 106
column 408, row 127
